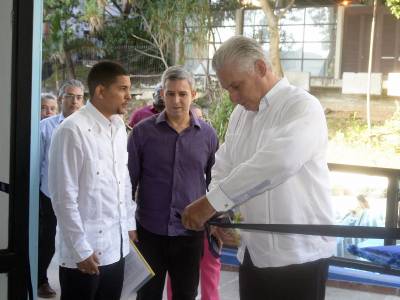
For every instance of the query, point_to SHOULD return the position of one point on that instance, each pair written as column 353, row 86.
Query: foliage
column 61, row 43
column 350, row 141
column 394, row 6
column 220, row 112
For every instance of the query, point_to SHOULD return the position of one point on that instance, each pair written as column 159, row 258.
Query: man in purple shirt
column 149, row 110
column 170, row 160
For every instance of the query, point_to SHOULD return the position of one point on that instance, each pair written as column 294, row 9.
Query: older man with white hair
column 273, row 167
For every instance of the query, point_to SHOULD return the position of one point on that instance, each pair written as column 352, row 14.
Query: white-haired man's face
column 244, row 87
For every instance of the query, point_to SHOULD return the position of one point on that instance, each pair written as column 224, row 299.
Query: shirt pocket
column 93, row 176
column 92, row 173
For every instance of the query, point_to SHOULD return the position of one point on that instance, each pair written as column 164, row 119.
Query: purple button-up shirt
column 169, row 170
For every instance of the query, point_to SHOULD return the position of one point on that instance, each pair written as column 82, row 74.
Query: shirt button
column 98, row 173
column 99, row 253
column 63, row 264
column 89, row 130
column 119, row 182
column 100, row 231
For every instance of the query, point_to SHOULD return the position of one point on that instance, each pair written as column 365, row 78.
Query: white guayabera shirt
column 273, row 166
column 90, row 187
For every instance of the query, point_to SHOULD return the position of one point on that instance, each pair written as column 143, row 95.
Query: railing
column 392, row 213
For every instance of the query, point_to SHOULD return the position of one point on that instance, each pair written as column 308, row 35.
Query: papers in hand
column 137, row 272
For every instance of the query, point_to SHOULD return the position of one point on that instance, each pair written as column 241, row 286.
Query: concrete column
column 239, row 20
column 339, row 42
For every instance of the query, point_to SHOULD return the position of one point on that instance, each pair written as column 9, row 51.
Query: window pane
column 359, row 200
column 292, row 33
column 254, row 17
column 3, row 286
column 258, row 33
column 320, row 15
column 4, row 209
column 319, row 33
column 196, row 66
column 291, row 50
column 315, row 67
column 5, row 113
column 317, row 50
column 291, row 65
column 294, row 16
column 221, row 34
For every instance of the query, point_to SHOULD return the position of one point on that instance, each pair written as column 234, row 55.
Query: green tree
column 394, row 6
column 60, row 42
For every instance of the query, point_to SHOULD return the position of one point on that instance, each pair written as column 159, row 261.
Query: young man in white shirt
column 273, row 167
column 91, row 191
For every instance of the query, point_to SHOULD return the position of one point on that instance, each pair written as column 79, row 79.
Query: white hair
column 177, row 73
column 240, row 51
column 48, row 96
column 70, row 83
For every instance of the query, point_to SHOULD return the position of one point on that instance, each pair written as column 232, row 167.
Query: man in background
column 71, row 98
column 149, row 110
column 49, row 105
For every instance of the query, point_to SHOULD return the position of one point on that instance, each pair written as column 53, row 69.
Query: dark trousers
column 301, row 282
column 179, row 255
column 76, row 285
column 47, row 233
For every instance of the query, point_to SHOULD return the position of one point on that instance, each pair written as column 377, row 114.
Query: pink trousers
column 210, row 269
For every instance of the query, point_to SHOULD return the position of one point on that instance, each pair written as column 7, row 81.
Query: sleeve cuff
column 83, row 251
column 218, row 199
column 131, row 224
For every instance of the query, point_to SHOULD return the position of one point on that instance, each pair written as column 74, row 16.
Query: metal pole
column 371, row 50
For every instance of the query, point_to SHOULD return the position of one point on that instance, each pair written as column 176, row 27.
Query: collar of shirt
column 269, row 97
column 194, row 121
column 101, row 120
column 60, row 118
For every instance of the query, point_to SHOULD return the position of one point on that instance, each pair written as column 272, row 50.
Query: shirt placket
column 116, row 174
column 173, row 209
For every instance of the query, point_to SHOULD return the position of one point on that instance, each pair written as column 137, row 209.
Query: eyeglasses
column 73, row 96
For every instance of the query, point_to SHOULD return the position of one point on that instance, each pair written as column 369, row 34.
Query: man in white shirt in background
column 91, row 191
column 273, row 167
column 71, row 98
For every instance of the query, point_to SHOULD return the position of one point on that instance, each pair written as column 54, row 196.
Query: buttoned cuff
column 219, row 200
column 83, row 251
column 131, row 224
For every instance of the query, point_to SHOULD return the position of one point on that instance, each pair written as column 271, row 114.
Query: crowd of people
column 158, row 186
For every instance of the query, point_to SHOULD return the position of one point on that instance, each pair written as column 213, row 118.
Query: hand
column 90, row 265
column 197, row 213
column 133, row 236
column 217, row 233
column 229, row 236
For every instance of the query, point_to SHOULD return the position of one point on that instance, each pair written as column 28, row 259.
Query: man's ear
column 162, row 93
column 99, row 91
column 194, row 93
column 260, row 67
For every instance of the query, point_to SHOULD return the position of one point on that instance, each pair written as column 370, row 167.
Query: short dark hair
column 104, row 73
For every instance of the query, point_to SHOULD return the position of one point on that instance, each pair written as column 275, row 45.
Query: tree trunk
column 181, row 43
column 273, row 31
column 70, row 65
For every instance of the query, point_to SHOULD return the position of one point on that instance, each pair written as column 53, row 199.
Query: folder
column 137, row 272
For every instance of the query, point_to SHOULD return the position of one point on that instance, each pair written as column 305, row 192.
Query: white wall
column 5, row 113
